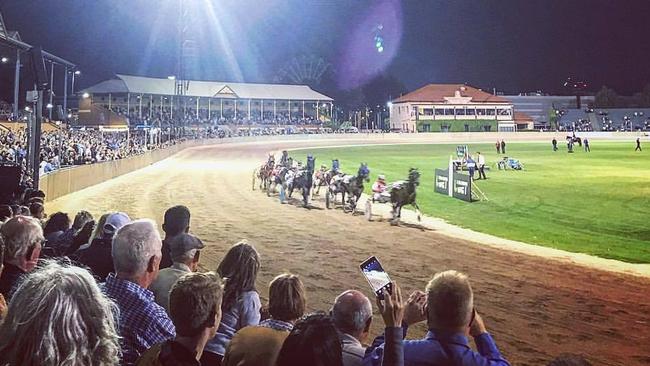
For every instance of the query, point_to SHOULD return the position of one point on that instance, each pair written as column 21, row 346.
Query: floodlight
column 4, row 60
column 171, row 77
column 69, row 115
column 77, row 72
column 49, row 106
column 27, row 109
column 85, row 95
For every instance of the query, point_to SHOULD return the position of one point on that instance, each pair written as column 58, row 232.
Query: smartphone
column 376, row 276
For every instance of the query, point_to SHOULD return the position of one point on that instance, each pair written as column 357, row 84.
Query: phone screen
column 375, row 274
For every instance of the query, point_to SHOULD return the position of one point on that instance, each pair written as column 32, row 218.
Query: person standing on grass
column 471, row 166
column 585, row 142
column 498, row 146
column 554, row 142
column 638, row 144
column 503, row 146
column 481, row 165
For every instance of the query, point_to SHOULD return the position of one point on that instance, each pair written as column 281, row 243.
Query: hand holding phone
column 376, row 276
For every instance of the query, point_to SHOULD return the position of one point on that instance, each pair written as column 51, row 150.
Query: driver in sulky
column 379, row 189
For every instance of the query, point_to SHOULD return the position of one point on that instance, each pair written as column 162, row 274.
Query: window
column 460, row 111
column 470, row 111
column 489, row 112
column 480, row 111
column 428, row 111
column 466, row 128
column 503, row 111
column 440, row 112
column 449, row 111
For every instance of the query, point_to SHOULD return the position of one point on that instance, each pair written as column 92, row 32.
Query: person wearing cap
column 97, row 257
column 185, row 252
column 176, row 222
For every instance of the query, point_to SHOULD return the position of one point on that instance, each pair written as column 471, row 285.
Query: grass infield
column 596, row 203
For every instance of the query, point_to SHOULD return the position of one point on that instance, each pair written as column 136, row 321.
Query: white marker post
column 451, row 177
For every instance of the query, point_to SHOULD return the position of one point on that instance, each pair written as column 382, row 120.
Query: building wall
column 408, row 116
column 539, row 106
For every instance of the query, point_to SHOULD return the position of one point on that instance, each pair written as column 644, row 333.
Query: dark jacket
column 9, row 279
column 98, row 258
column 168, row 353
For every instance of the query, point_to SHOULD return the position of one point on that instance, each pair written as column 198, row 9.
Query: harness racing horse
column 264, row 174
column 303, row 180
column 353, row 186
column 278, row 176
column 404, row 193
column 322, row 178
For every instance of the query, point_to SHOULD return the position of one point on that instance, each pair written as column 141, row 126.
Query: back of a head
column 351, row 311
column 177, row 220
column 58, row 316
column 20, row 233
column 239, row 268
column 80, row 219
column 450, row 301
column 568, row 359
column 194, row 301
column 59, row 221
column 134, row 244
column 36, row 209
column 313, row 341
column 286, row 297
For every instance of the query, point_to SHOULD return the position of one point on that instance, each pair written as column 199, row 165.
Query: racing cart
column 509, row 163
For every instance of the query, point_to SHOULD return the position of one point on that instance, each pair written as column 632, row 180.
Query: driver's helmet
column 381, row 178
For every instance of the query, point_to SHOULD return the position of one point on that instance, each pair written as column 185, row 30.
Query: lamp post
column 75, row 74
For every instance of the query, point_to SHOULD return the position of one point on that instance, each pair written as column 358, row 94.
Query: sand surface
column 536, row 305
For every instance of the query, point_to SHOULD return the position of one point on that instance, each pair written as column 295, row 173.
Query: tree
column 606, row 98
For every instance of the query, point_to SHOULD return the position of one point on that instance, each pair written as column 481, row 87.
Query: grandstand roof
column 522, row 117
column 218, row 89
column 436, row 93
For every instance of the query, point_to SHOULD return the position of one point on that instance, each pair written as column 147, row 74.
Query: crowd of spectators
column 81, row 292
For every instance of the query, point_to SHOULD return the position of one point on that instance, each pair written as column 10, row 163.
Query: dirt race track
column 536, row 308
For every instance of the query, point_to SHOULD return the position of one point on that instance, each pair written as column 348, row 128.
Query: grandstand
column 137, row 100
column 597, row 119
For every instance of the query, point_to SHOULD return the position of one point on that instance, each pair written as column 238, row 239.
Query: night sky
column 510, row 45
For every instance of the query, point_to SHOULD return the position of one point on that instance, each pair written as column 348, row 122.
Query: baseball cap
column 114, row 222
column 183, row 243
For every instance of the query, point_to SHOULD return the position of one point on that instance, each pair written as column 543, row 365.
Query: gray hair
column 134, row 244
column 59, row 316
column 351, row 311
column 450, row 300
column 185, row 257
column 19, row 234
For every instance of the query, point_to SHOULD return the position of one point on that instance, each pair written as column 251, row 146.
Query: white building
column 451, row 108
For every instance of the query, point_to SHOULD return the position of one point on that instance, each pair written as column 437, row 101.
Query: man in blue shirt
column 450, row 317
column 136, row 253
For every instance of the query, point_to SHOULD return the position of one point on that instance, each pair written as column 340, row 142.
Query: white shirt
column 481, row 160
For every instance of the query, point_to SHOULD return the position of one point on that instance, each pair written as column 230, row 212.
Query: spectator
column 81, row 218
column 177, row 221
column 22, row 236
column 480, row 162
column 352, row 315
column 5, row 213
column 55, row 231
column 37, row 211
column 3, row 302
column 450, row 314
column 185, row 251
column 58, row 316
column 313, row 341
column 97, row 257
column 503, row 146
column 136, row 256
column 260, row 345
column 241, row 302
column 195, row 309
column 569, row 360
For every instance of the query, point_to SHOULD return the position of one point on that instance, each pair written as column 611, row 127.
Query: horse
column 353, row 186
column 403, row 193
column 303, row 181
column 264, row 174
column 278, row 176
column 321, row 178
